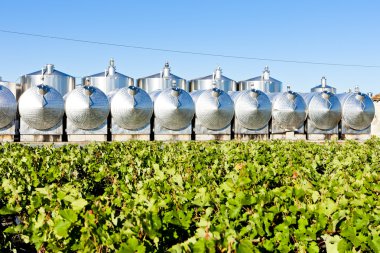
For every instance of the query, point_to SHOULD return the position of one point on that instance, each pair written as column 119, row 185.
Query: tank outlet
column 132, row 90
column 175, row 92
column 291, row 95
column 216, row 92
column 42, row 90
column 326, row 95
column 360, row 97
column 88, row 91
column 253, row 93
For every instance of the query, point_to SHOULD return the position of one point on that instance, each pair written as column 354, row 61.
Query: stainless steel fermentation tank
column 109, row 80
column 375, row 125
column 324, row 114
column 10, row 133
column 131, row 107
column 173, row 105
column 323, row 87
column 288, row 114
column 87, row 109
column 264, row 83
column 12, row 86
column 8, row 112
column 358, row 111
column 216, row 80
column 214, row 108
column 131, row 110
column 41, row 110
column 60, row 81
column 173, row 110
column 160, row 81
column 57, row 83
column 253, row 111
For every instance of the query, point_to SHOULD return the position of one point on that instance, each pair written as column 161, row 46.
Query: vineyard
column 191, row 197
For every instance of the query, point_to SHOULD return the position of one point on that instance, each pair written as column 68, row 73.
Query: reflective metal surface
column 12, row 86
column 324, row 109
column 109, row 79
column 131, row 108
column 253, row 108
column 288, row 110
column 323, row 87
column 41, row 107
column 163, row 80
column 215, row 80
column 8, row 107
column 214, row 108
column 173, row 108
column 375, row 125
column 358, row 110
column 264, row 83
column 62, row 82
column 87, row 107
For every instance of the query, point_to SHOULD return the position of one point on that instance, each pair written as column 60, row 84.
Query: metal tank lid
column 49, row 69
column 165, row 73
column 323, row 86
column 110, row 71
column 264, row 77
column 217, row 75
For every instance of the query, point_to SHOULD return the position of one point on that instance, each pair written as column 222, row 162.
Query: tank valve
column 291, row 95
column 216, row 92
column 88, row 90
column 254, row 93
column 175, row 91
column 359, row 96
column 325, row 95
column 42, row 89
column 132, row 90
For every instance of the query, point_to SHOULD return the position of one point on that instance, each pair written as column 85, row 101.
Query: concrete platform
column 288, row 136
column 86, row 137
column 247, row 137
column 128, row 137
column 212, row 137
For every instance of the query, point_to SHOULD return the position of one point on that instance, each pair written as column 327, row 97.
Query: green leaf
column 245, row 246
column 331, row 243
column 375, row 243
column 132, row 246
column 344, row 246
column 69, row 215
column 6, row 210
column 13, row 229
column 315, row 196
column 61, row 228
column 79, row 204
column 199, row 246
column 268, row 245
column 313, row 247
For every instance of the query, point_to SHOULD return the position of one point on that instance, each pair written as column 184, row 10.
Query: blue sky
column 340, row 31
